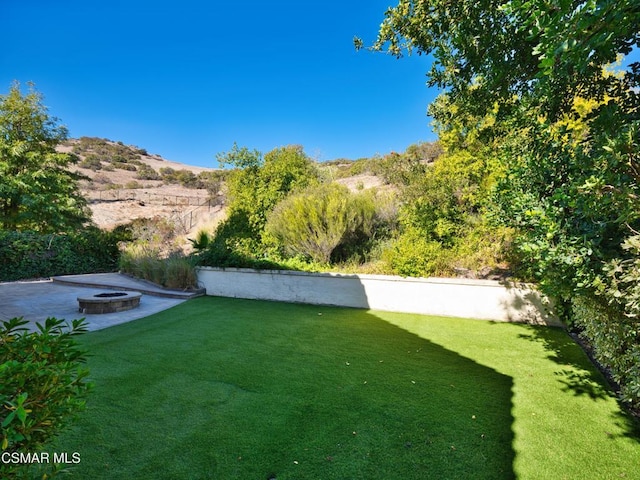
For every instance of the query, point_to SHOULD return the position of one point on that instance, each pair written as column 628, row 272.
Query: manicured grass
column 234, row 389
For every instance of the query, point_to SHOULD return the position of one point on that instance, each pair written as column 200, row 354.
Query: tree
column 254, row 188
column 492, row 51
column 531, row 79
column 37, row 190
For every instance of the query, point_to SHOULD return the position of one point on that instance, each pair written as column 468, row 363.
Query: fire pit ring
column 109, row 302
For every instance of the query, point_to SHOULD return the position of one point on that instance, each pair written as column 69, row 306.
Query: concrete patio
column 58, row 297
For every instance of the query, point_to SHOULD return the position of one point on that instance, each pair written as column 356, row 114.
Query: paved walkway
column 58, row 297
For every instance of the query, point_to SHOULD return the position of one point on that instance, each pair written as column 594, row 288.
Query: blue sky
column 188, row 79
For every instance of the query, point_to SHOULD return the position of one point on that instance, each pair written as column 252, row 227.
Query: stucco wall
column 481, row 299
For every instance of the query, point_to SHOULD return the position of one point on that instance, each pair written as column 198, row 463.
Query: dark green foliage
column 615, row 339
column 37, row 189
column 201, row 242
column 574, row 198
column 491, row 51
column 43, row 384
column 254, row 188
column 26, row 255
column 224, row 256
column 234, row 243
column 531, row 81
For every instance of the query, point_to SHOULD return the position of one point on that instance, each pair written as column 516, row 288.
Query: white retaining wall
column 481, row 299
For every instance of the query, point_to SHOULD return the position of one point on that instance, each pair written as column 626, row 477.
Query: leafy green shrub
column 201, row 242
column 234, row 243
column 623, row 278
column 611, row 319
column 43, row 383
column 615, row 339
column 38, row 189
column 254, row 189
column 183, row 177
column 414, row 255
column 119, row 158
column 34, row 255
column 482, row 247
column 315, row 221
column 186, row 178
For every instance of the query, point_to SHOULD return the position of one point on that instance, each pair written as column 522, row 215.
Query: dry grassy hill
column 125, row 183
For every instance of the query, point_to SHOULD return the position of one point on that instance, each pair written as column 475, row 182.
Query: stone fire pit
column 109, row 302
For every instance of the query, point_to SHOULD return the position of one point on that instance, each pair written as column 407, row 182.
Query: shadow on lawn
column 579, row 375
column 459, row 411
column 364, row 398
column 318, row 392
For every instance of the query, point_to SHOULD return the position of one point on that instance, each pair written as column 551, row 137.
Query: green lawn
column 221, row 388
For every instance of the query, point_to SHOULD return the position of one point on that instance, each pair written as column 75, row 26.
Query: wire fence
column 185, row 222
column 152, row 198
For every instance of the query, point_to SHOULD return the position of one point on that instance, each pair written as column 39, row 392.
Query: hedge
column 27, row 255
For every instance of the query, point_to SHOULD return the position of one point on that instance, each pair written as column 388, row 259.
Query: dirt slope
column 112, row 203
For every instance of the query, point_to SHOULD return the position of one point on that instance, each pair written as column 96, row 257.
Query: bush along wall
column 25, row 255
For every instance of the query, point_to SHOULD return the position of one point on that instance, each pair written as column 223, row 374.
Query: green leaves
column 529, row 80
column 42, row 383
column 33, row 255
column 254, row 189
column 39, row 193
column 493, row 50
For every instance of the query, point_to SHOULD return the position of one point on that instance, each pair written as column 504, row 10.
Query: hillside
column 125, row 183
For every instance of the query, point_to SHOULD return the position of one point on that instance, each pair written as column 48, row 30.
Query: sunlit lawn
column 234, row 389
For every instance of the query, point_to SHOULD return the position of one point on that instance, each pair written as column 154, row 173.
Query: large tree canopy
column 489, row 51
column 531, row 80
column 37, row 190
